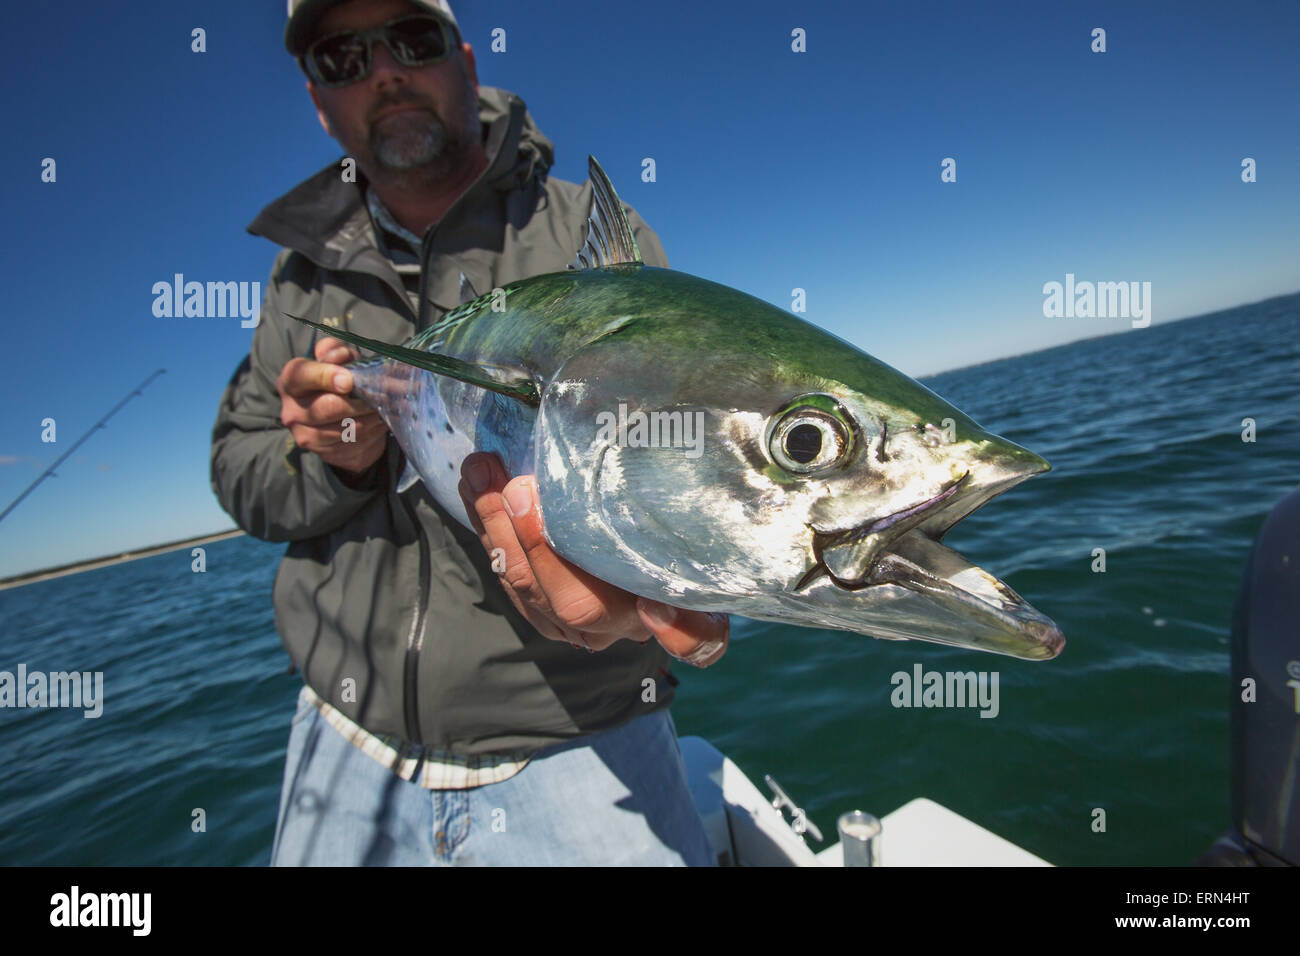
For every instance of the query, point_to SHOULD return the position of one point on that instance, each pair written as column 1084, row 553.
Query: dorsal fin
column 609, row 237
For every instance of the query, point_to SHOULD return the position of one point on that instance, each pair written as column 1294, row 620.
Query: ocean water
column 1144, row 431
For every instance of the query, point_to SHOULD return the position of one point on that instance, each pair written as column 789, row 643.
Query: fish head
column 872, row 481
column 812, row 483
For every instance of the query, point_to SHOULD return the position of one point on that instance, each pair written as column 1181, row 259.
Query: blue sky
column 775, row 170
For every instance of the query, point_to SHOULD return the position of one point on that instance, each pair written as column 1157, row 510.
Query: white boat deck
column 747, row 830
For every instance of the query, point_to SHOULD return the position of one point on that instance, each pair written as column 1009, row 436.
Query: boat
column 747, row 828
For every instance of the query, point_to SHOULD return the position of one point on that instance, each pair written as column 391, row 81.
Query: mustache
column 391, row 100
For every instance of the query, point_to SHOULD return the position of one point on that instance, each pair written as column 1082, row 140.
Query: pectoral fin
column 521, row 388
column 410, row 477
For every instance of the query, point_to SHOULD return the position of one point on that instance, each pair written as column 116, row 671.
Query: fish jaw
column 932, row 489
column 923, row 591
column 916, row 588
column 994, row 617
column 890, row 576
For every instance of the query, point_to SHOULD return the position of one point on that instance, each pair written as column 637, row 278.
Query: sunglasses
column 343, row 58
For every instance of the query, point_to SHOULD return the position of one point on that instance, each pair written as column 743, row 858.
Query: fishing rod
column 77, row 444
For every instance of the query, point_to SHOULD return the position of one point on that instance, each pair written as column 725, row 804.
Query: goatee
column 410, row 140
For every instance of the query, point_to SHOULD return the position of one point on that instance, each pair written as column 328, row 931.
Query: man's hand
column 314, row 403
column 562, row 601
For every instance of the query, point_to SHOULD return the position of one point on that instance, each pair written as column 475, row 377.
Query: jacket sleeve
column 273, row 489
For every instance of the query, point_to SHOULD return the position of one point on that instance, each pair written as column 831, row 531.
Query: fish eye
column 811, row 434
column 803, row 443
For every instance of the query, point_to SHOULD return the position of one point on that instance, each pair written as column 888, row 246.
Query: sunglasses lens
column 340, row 59
column 345, row 57
column 417, row 40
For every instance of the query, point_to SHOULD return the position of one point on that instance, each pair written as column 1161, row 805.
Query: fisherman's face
column 398, row 119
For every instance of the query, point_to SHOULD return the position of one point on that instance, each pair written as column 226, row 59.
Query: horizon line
column 1106, row 335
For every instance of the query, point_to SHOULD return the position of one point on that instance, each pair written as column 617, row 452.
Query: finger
column 300, row 377
column 330, row 441
column 694, row 637
column 335, row 356
column 328, row 445
column 482, row 480
column 544, row 625
column 320, row 409
column 578, row 599
column 328, row 411
column 365, row 428
column 353, row 457
column 335, row 351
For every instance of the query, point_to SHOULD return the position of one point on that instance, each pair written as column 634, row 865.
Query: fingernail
column 702, row 653
column 519, row 498
column 343, row 381
column 661, row 614
column 479, row 475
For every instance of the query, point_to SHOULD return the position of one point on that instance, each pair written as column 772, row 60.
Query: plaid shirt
column 406, row 249
column 430, row 768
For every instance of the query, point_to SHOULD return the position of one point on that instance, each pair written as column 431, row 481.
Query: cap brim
column 301, row 28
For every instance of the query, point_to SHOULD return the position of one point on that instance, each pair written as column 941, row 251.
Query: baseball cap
column 303, row 15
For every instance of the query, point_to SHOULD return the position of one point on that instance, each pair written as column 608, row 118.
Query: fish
column 698, row 446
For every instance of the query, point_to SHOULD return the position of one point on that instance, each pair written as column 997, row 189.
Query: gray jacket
column 387, row 589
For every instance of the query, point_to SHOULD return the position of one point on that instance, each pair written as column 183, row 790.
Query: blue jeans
column 613, row 798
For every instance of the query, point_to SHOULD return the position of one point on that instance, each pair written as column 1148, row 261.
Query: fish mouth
column 939, row 596
column 849, row 555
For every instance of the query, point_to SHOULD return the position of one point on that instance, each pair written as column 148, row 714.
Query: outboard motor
column 1266, row 731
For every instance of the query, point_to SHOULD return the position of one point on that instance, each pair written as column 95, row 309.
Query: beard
column 421, row 143
column 412, row 140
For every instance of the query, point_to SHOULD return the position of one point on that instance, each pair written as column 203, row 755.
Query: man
column 444, row 720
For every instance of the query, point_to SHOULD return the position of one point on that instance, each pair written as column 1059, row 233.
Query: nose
column 384, row 70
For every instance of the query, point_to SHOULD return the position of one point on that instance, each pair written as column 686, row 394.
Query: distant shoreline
column 31, row 577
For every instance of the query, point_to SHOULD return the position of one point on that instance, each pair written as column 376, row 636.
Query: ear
column 471, row 68
column 320, row 110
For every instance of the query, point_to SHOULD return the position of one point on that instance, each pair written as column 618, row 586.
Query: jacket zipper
column 415, row 638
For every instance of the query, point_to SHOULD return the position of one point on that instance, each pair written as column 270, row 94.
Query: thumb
column 693, row 637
